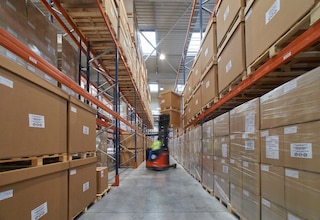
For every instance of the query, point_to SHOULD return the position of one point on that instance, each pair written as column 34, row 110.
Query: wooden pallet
column 233, row 84
column 100, row 195
column 170, row 108
column 82, row 155
column 211, row 102
column 210, row 191
column 312, row 17
column 234, row 212
column 84, row 210
column 221, row 200
column 32, row 161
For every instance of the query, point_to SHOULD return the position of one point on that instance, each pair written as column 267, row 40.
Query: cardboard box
column 195, row 103
column 221, row 167
column 270, row 210
column 221, row 188
column 235, row 172
column 272, row 184
column 251, row 177
column 302, row 146
column 267, row 21
column 207, row 130
column 302, row 193
column 209, row 47
column 222, row 125
column 207, row 179
column 169, row 99
column 222, row 147
column 293, row 102
column 209, row 86
column 251, row 205
column 82, row 185
column 236, row 198
column 28, row 190
column 246, row 117
column 81, row 127
column 127, row 157
column 28, row 126
column 227, row 12
column 102, row 179
column 207, row 163
column 236, row 146
column 272, row 146
column 175, row 120
column 250, row 147
column 196, row 73
column 231, row 59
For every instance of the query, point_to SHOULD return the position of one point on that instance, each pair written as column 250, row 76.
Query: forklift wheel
column 175, row 166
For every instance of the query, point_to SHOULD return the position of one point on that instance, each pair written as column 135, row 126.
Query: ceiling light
column 161, row 89
column 153, row 87
column 162, row 56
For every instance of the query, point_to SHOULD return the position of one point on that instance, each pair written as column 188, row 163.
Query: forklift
column 160, row 160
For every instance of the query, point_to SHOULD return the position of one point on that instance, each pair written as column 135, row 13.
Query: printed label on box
column 225, row 169
column 74, row 109
column 232, row 186
column 301, row 150
column 245, row 192
column 228, row 66
column 292, row 173
column 232, row 161
column 85, row 186
column 245, row 164
column 292, row 217
column 290, row 130
column 206, row 52
column 265, row 202
column 264, row 133
column 102, row 174
column 6, row 194
column 265, row 168
column 73, row 172
column 6, row 82
column 249, row 145
column 232, row 137
column 224, row 150
column 226, row 13
column 250, row 121
column 36, row 121
column 85, row 130
column 272, row 147
column 273, row 10
column 207, row 84
column 39, row 212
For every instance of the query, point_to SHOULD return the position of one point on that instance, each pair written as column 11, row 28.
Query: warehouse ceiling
column 169, row 19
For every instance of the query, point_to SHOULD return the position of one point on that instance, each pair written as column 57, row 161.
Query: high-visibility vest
column 156, row 145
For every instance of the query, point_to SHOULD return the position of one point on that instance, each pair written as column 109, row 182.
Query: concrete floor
column 157, row 195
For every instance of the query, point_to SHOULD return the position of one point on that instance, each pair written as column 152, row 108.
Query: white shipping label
column 36, row 121
column 206, row 51
column 265, row 168
column 39, row 212
column 232, row 161
column 264, row 133
column 232, row 186
column 292, row 173
column 232, row 137
column 290, row 86
column 225, row 169
column 272, row 147
column 265, row 202
column 301, row 150
column 6, row 194
column 73, row 172
column 74, row 109
column 207, row 84
column 226, row 13
column 249, row 145
column 250, row 122
column 102, row 174
column 245, row 192
column 245, row 135
column 245, row 164
column 292, row 217
column 85, row 130
column 163, row 101
column 85, row 186
column 223, row 139
column 228, row 66
column 273, row 10
column 6, row 82
column 224, row 150
column 290, row 130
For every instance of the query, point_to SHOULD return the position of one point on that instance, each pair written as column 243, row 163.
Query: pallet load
column 290, row 147
column 207, row 155
column 170, row 104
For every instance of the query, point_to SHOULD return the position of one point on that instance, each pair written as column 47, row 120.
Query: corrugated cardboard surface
column 268, row 20
column 222, row 147
column 251, row 205
column 236, row 198
column 221, row 188
column 169, row 99
column 209, row 47
column 102, row 179
column 270, row 210
column 272, row 146
column 222, row 125
column 251, row 179
column 209, row 86
column 33, row 114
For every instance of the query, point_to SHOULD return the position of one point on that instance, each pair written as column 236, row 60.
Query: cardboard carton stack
column 207, row 155
column 131, row 143
column 290, row 153
column 170, row 104
column 221, row 157
column 195, row 148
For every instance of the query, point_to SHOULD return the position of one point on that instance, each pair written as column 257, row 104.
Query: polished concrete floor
column 157, row 195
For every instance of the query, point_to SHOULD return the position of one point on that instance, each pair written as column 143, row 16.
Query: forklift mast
column 164, row 121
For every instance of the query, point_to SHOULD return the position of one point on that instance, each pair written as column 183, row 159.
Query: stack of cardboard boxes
column 131, row 145
column 207, row 155
column 170, row 104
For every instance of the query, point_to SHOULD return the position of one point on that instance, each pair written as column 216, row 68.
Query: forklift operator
column 155, row 149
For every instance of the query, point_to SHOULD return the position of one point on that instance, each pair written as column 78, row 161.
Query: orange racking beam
column 14, row 45
column 305, row 40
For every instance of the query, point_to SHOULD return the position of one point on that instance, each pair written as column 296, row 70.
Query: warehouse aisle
column 157, row 195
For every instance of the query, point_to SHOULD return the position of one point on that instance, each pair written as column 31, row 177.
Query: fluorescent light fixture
column 154, row 87
column 161, row 89
column 162, row 56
